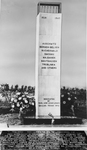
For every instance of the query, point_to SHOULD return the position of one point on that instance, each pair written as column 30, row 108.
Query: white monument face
column 48, row 65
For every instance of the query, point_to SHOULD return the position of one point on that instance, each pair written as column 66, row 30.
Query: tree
column 12, row 88
column 16, row 87
column 6, row 87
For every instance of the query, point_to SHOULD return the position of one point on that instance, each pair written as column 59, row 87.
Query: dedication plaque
column 43, row 140
column 48, row 45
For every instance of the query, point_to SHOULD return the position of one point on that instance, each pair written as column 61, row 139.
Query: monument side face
column 48, row 47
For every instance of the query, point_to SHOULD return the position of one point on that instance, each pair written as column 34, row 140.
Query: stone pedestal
column 61, row 121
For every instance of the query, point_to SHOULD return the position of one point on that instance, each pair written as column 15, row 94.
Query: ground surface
column 12, row 119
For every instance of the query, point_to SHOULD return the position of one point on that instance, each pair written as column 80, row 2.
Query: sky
column 18, row 42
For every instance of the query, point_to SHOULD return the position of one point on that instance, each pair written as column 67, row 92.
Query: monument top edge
column 49, row 7
column 50, row 3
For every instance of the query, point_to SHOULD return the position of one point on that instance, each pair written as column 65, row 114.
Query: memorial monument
column 48, row 61
column 48, row 51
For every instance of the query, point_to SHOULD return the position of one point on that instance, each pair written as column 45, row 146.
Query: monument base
column 62, row 120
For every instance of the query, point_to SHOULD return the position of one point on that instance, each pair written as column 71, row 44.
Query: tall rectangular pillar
column 48, row 48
